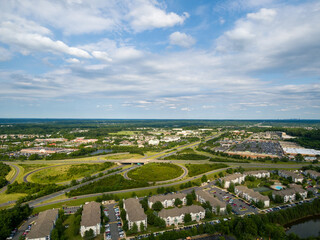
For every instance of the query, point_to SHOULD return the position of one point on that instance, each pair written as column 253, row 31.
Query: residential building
column 135, row 213
column 299, row 189
column 153, row 142
column 176, row 215
column 168, row 200
column 43, row 226
column 91, row 218
column 286, row 174
column 258, row 174
column 251, row 195
column 233, row 178
column 215, row 203
column 289, row 194
column 313, row 174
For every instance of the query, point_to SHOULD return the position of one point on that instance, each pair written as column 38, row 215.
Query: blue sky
column 251, row 59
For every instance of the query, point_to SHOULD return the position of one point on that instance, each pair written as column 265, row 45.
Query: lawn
column 154, row 172
column 30, row 167
column 68, row 233
column 68, row 172
column 11, row 174
column 197, row 169
column 123, row 156
column 10, row 197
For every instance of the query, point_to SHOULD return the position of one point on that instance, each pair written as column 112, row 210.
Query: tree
column 298, row 196
column 54, row 234
column 278, row 199
column 144, row 204
column 189, row 199
column 259, row 204
column 204, row 178
column 157, row 206
column 310, row 194
column 229, row 208
column 134, row 228
column 88, row 234
column 218, row 210
column 187, row 218
column 207, row 205
column 177, row 202
column 208, row 214
column 123, row 214
column 141, row 227
column 299, row 158
column 231, row 187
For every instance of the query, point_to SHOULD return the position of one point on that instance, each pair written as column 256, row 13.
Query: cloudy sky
column 221, row 59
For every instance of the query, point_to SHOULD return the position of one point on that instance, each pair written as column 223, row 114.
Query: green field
column 127, row 133
column 154, row 172
column 123, row 156
column 68, row 172
column 197, row 169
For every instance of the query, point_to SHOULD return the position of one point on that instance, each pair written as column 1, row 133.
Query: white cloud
column 72, row 60
column 263, row 15
column 5, row 55
column 101, row 55
column 181, row 39
column 147, row 14
column 186, row 109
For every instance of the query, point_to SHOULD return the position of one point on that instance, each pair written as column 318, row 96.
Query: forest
column 4, row 170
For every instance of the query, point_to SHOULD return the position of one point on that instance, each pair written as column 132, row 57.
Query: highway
column 17, row 171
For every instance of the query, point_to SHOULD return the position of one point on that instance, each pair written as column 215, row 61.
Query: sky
column 174, row 59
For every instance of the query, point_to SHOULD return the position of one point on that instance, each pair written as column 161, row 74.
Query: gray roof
column 175, row 212
column 284, row 192
column 91, row 214
column 134, row 210
column 232, row 177
column 162, row 198
column 297, row 188
column 212, row 200
column 252, row 193
column 255, row 172
column 291, row 174
column 43, row 224
column 312, row 172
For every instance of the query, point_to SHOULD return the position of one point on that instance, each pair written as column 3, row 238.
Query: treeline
column 4, row 170
column 11, row 218
column 108, row 184
column 187, row 156
column 197, row 169
column 269, row 226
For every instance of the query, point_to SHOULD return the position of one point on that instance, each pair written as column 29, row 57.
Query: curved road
column 17, row 171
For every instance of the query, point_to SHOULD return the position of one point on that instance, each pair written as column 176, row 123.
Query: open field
column 30, row 167
column 154, row 172
column 67, row 172
column 196, row 169
column 123, row 156
column 10, row 197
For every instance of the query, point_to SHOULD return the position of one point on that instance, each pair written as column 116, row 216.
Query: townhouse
column 43, row 226
column 91, row 218
column 286, row 174
column 289, row 194
column 167, row 200
column 176, row 215
column 215, row 203
column 313, row 174
column 258, row 174
column 251, row 195
column 233, row 178
column 135, row 213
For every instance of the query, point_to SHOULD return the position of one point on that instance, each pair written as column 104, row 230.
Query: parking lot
column 25, row 228
column 113, row 230
column 239, row 206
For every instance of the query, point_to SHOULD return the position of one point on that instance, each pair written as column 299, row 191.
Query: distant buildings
column 167, row 200
column 258, row 174
column 289, row 194
column 135, row 213
column 45, row 151
column 251, row 195
column 153, row 142
column 215, row 203
column 91, row 218
column 176, row 215
column 43, row 226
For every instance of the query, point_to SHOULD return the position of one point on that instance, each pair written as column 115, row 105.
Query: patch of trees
column 4, row 170
column 11, row 219
column 58, row 231
column 187, row 156
column 108, row 184
column 197, row 169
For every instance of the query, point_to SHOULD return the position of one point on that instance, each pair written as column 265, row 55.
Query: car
column 107, row 226
column 234, row 204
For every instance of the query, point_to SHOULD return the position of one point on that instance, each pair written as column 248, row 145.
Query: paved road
column 14, row 177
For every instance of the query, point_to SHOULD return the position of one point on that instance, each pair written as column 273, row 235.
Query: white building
column 43, row 226
column 258, row 174
column 167, row 200
column 91, row 218
column 289, row 195
column 215, row 203
column 251, row 195
column 233, row 178
column 176, row 215
column 135, row 213
column 153, row 142
column 286, row 174
column 313, row 174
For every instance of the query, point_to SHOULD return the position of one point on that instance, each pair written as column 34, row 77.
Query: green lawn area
column 197, row 169
column 123, row 156
column 10, row 197
column 11, row 174
column 154, row 172
column 68, row 172
column 31, row 167
column 69, row 231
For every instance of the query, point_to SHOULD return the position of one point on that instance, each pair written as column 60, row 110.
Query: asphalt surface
column 14, row 177
column 113, row 222
column 23, row 227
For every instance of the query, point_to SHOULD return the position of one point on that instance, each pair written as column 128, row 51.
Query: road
column 17, row 171
column 40, row 169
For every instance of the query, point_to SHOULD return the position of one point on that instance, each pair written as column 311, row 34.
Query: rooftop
column 175, row 212
column 91, row 214
column 134, row 210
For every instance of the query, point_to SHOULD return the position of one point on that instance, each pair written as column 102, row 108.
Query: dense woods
column 4, row 170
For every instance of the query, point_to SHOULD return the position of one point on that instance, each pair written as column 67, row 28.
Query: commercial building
column 251, row 195
column 233, row 178
column 167, row 200
column 215, row 203
column 135, row 213
column 176, row 215
column 91, row 218
column 43, row 226
column 287, row 174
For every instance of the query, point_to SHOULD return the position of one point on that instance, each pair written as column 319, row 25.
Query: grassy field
column 10, row 197
column 196, row 169
column 30, row 167
column 11, row 173
column 67, row 172
column 68, row 233
column 124, row 156
column 154, row 172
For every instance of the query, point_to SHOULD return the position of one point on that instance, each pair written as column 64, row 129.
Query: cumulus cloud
column 181, row 39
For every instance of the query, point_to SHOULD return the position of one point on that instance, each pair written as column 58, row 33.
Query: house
column 313, row 174
column 168, row 200
column 298, row 189
column 251, row 195
column 91, row 218
column 286, row 174
column 215, row 203
column 153, row 142
column 258, row 174
column 176, row 215
column 233, row 178
column 135, row 213
column 43, row 226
